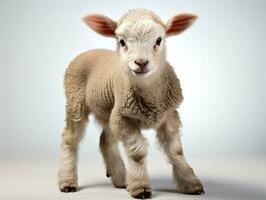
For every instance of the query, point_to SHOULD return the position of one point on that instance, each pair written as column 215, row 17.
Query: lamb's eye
column 158, row 41
column 122, row 42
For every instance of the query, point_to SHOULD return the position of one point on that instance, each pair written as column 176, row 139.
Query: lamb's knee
column 136, row 146
column 138, row 153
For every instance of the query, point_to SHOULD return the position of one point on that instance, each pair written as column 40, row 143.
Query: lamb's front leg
column 136, row 148
column 137, row 176
column 169, row 139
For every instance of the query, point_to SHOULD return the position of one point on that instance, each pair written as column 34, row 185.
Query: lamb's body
column 96, row 88
column 101, row 84
column 127, row 90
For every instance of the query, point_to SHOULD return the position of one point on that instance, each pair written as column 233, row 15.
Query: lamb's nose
column 141, row 62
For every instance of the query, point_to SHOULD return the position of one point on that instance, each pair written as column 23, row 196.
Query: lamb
column 127, row 90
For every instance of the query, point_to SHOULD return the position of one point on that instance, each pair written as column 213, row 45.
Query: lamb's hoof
column 193, row 186
column 68, row 187
column 141, row 193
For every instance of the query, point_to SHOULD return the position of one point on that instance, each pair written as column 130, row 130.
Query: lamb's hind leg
column 67, row 175
column 169, row 139
column 115, row 167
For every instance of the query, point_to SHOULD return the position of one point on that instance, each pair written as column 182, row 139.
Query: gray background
column 220, row 62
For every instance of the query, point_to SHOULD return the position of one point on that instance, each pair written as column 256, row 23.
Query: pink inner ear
column 180, row 23
column 101, row 24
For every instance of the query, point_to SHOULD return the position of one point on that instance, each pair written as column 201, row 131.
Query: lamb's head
column 140, row 38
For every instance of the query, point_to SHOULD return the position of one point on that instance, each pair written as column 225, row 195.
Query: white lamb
column 127, row 90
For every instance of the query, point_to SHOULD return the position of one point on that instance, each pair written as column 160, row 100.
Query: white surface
column 222, row 179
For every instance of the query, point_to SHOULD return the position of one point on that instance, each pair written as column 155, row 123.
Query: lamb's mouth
column 140, row 72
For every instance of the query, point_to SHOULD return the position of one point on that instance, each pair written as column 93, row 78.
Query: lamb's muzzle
column 127, row 90
column 142, row 63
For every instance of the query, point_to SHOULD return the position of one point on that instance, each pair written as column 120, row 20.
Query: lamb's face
column 141, row 45
column 140, row 37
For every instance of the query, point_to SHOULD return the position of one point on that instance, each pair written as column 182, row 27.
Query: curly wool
column 138, row 14
column 96, row 88
column 150, row 106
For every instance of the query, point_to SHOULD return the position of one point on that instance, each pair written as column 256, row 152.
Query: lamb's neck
column 148, row 87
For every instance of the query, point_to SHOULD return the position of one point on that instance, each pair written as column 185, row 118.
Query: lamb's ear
column 101, row 24
column 179, row 23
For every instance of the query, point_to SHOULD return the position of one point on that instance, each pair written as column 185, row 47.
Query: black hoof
column 143, row 195
column 69, row 189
